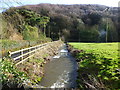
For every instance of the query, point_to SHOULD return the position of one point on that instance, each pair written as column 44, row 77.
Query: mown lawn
column 100, row 59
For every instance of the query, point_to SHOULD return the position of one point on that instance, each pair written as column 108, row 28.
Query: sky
column 11, row 3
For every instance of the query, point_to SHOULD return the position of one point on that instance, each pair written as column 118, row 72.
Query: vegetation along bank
column 27, row 74
column 31, row 25
column 98, row 65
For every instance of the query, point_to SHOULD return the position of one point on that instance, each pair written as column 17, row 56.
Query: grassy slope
column 102, row 59
column 10, row 45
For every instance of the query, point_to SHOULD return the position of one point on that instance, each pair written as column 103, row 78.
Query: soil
column 16, row 37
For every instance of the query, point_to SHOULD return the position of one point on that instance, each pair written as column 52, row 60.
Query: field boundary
column 24, row 54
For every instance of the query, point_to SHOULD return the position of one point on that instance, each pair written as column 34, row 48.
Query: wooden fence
column 24, row 54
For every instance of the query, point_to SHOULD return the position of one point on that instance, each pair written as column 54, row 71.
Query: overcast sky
column 8, row 3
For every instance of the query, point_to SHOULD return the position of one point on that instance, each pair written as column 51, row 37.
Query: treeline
column 23, row 24
column 84, row 23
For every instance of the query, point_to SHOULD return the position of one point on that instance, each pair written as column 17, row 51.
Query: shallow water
column 60, row 72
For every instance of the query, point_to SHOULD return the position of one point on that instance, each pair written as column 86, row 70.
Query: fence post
column 9, row 53
column 22, row 54
column 29, row 51
column 36, row 48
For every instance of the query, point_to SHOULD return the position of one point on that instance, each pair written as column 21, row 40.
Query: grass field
column 101, row 59
column 109, row 50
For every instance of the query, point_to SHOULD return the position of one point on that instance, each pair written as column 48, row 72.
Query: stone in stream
column 56, row 56
column 63, row 52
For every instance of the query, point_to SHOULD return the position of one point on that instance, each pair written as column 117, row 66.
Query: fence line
column 24, row 54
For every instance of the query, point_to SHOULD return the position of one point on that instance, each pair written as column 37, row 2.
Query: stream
column 61, row 71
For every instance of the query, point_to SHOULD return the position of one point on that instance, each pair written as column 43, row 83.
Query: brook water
column 60, row 72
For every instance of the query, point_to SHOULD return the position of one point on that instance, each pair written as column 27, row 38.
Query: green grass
column 10, row 45
column 109, row 50
column 100, row 59
column 36, row 60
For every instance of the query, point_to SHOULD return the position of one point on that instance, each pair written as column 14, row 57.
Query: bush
column 10, row 75
column 30, row 33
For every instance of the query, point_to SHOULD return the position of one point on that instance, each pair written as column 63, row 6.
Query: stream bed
column 61, row 71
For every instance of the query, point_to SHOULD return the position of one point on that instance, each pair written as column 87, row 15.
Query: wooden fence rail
column 24, row 54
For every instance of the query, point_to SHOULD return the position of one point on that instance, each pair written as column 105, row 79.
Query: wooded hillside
column 23, row 24
column 86, row 23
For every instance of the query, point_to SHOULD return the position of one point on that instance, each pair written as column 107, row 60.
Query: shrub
column 30, row 33
column 10, row 75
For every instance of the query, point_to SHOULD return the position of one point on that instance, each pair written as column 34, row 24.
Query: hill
column 85, row 23
column 74, row 22
column 21, row 28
